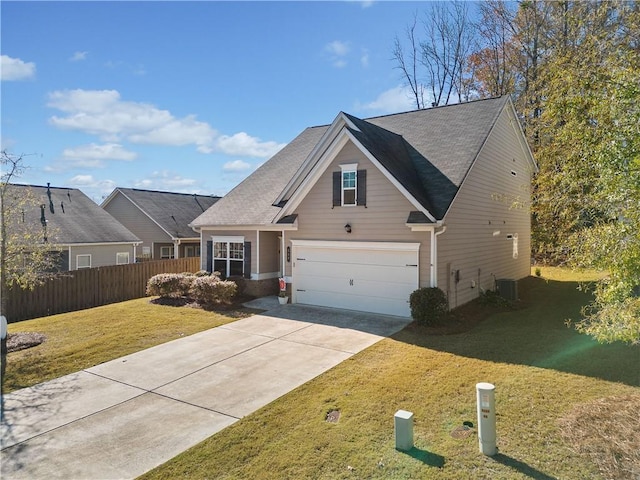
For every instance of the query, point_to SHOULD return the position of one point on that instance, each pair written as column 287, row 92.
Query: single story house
column 87, row 235
column 359, row 213
column 160, row 219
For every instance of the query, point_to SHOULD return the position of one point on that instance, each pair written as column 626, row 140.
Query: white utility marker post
column 403, row 426
column 485, row 393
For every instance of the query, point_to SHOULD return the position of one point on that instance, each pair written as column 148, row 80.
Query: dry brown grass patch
column 608, row 431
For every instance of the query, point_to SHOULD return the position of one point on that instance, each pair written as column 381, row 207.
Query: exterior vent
column 507, row 288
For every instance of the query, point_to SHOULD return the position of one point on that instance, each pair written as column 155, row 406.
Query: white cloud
column 337, row 51
column 103, row 113
column 95, row 189
column 16, row 69
column 243, row 144
column 397, row 99
column 236, row 166
column 364, row 58
column 107, row 151
column 94, row 155
column 165, row 180
column 337, row 48
column 78, row 56
column 82, row 180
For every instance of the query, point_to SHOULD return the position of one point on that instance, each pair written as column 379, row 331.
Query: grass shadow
column 428, row 458
column 521, row 467
column 536, row 334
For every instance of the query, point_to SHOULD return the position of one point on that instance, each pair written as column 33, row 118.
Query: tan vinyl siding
column 101, row 255
column 140, row 224
column 269, row 258
column 382, row 220
column 490, row 200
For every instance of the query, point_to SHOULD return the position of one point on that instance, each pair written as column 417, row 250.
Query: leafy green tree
column 588, row 190
column 27, row 257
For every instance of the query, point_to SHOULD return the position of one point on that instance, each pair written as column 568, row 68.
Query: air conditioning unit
column 507, row 288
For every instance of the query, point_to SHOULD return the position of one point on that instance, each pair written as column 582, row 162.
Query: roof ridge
column 164, row 191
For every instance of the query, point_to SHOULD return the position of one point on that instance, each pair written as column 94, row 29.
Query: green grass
column 542, row 369
column 85, row 338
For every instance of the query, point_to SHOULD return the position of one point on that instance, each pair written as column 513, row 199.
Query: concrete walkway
column 122, row 418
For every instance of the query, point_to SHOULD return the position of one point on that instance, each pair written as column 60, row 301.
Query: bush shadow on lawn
column 535, row 333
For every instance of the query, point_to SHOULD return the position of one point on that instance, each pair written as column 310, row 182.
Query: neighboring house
column 89, row 236
column 360, row 213
column 160, row 219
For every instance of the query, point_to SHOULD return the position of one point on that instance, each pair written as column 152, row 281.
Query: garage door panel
column 391, row 274
column 356, row 256
column 367, row 287
column 367, row 277
column 380, row 305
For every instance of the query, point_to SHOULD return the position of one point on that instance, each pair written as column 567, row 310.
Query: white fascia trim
column 272, row 227
column 522, row 139
column 325, row 142
column 228, row 238
column 390, row 177
column 265, row 276
column 102, row 244
column 321, row 166
column 310, row 180
column 346, row 245
column 422, row 227
column 148, row 216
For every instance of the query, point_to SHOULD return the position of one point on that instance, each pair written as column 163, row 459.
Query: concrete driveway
column 122, row 418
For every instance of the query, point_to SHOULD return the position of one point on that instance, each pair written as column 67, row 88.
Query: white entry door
column 367, row 276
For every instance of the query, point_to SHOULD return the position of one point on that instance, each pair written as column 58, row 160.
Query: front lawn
column 82, row 339
column 556, row 395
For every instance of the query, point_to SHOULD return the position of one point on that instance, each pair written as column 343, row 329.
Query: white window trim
column 78, row 267
column 227, row 240
column 349, row 168
column 171, row 252
column 123, row 263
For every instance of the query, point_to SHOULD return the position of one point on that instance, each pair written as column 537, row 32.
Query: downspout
column 258, row 254
column 69, row 259
column 434, row 255
column 283, row 255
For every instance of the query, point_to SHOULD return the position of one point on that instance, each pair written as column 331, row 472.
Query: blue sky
column 185, row 96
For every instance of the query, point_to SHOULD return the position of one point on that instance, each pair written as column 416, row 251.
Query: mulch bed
column 23, row 340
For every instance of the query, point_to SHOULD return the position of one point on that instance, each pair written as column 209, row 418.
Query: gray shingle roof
column 428, row 151
column 172, row 211
column 75, row 217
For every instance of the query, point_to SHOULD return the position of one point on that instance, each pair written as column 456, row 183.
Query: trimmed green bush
column 428, row 305
column 170, row 285
column 210, row 290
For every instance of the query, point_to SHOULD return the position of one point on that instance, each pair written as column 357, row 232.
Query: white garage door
column 367, row 276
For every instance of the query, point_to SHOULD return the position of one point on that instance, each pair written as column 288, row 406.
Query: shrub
column 210, row 289
column 428, row 305
column 493, row 298
column 170, row 285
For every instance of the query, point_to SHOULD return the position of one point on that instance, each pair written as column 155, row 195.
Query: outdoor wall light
column 347, row 228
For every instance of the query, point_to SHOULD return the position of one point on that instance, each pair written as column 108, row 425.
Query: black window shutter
column 209, row 256
column 337, row 189
column 362, row 187
column 247, row 259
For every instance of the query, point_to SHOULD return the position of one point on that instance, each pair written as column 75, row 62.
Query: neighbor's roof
column 72, row 217
column 428, row 151
column 173, row 212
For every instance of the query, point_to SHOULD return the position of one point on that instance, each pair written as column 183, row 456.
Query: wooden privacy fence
column 90, row 287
